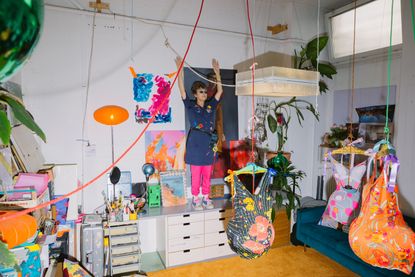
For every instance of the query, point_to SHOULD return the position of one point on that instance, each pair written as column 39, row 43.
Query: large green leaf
column 326, row 69
column 272, row 123
column 311, row 48
column 23, row 116
column 323, row 86
column 5, row 128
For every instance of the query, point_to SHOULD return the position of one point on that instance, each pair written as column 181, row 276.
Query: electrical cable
column 91, row 52
column 43, row 205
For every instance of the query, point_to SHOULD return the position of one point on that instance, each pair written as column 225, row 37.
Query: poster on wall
column 173, row 188
column 165, row 150
column 151, row 93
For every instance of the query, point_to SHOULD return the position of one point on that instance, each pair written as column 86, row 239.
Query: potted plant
column 279, row 117
column 306, row 59
column 9, row 101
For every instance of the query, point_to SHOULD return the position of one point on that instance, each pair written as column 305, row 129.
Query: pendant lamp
column 278, row 82
column 112, row 115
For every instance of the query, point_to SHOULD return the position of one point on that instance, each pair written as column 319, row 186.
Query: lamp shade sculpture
column 112, row 115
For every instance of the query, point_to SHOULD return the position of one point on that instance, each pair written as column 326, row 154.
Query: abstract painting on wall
column 240, row 153
column 165, row 150
column 151, row 91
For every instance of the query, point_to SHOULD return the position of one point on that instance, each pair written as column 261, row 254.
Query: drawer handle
column 222, row 219
column 186, row 251
column 222, row 211
column 221, row 232
column 187, row 237
column 221, row 244
column 186, row 215
column 185, row 224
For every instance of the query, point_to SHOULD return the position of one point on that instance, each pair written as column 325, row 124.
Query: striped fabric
column 250, row 231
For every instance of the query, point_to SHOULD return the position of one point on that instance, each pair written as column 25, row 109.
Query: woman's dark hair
column 197, row 85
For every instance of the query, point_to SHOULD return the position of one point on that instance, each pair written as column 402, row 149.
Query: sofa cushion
column 324, row 234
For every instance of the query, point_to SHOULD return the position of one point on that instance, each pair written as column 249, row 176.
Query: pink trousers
column 201, row 176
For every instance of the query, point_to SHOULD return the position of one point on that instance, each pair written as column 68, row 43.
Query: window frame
column 376, row 53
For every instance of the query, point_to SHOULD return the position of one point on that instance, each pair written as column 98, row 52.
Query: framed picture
column 173, row 188
column 374, row 132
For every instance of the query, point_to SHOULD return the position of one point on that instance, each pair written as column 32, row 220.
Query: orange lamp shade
column 111, row 115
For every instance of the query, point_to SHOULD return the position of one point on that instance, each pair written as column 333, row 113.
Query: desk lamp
column 112, row 115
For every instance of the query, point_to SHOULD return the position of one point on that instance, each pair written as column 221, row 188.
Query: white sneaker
column 207, row 203
column 197, row 203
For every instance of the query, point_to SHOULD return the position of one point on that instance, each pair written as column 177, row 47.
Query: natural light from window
column 372, row 28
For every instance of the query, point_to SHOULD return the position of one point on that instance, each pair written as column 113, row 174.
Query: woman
column 199, row 147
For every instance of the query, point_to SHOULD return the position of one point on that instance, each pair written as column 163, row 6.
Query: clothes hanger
column 250, row 168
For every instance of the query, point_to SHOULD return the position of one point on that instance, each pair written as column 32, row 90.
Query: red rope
column 253, row 84
column 26, row 211
column 253, row 94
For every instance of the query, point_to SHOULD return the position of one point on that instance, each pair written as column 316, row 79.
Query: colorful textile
column 198, row 148
column 344, row 201
column 250, row 232
column 201, row 176
column 379, row 235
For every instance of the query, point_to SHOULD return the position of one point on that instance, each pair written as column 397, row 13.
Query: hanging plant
column 306, row 59
column 9, row 101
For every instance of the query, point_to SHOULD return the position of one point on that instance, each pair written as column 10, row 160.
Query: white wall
column 405, row 126
column 54, row 80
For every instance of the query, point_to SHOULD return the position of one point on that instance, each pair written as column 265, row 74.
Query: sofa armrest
column 309, row 215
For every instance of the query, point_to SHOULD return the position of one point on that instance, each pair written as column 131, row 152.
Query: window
column 372, row 27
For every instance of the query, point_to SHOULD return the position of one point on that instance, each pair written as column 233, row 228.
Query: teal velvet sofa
column 335, row 244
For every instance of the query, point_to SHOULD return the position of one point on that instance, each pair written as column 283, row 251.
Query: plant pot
column 272, row 154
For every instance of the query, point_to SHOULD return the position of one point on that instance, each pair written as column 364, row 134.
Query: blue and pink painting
column 152, row 92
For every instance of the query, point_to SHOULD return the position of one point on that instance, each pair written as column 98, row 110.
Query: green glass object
column 20, row 27
column 279, row 162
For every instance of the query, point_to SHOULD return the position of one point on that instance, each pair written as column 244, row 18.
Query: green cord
column 387, row 131
column 413, row 17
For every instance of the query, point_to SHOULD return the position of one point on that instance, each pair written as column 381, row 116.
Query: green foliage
column 284, row 183
column 306, row 59
column 20, row 113
column 279, row 117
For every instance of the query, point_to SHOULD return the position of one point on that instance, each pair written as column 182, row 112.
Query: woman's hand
column 215, row 66
column 178, row 61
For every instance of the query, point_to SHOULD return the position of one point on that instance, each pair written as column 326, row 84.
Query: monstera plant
column 10, row 102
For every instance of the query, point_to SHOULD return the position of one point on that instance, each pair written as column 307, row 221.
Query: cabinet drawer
column 185, row 218
column 125, row 248
column 185, row 229
column 187, row 242
column 122, row 230
column 216, row 225
column 186, row 256
column 216, row 214
column 216, row 238
column 125, row 268
column 124, row 239
column 219, row 250
column 125, row 259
